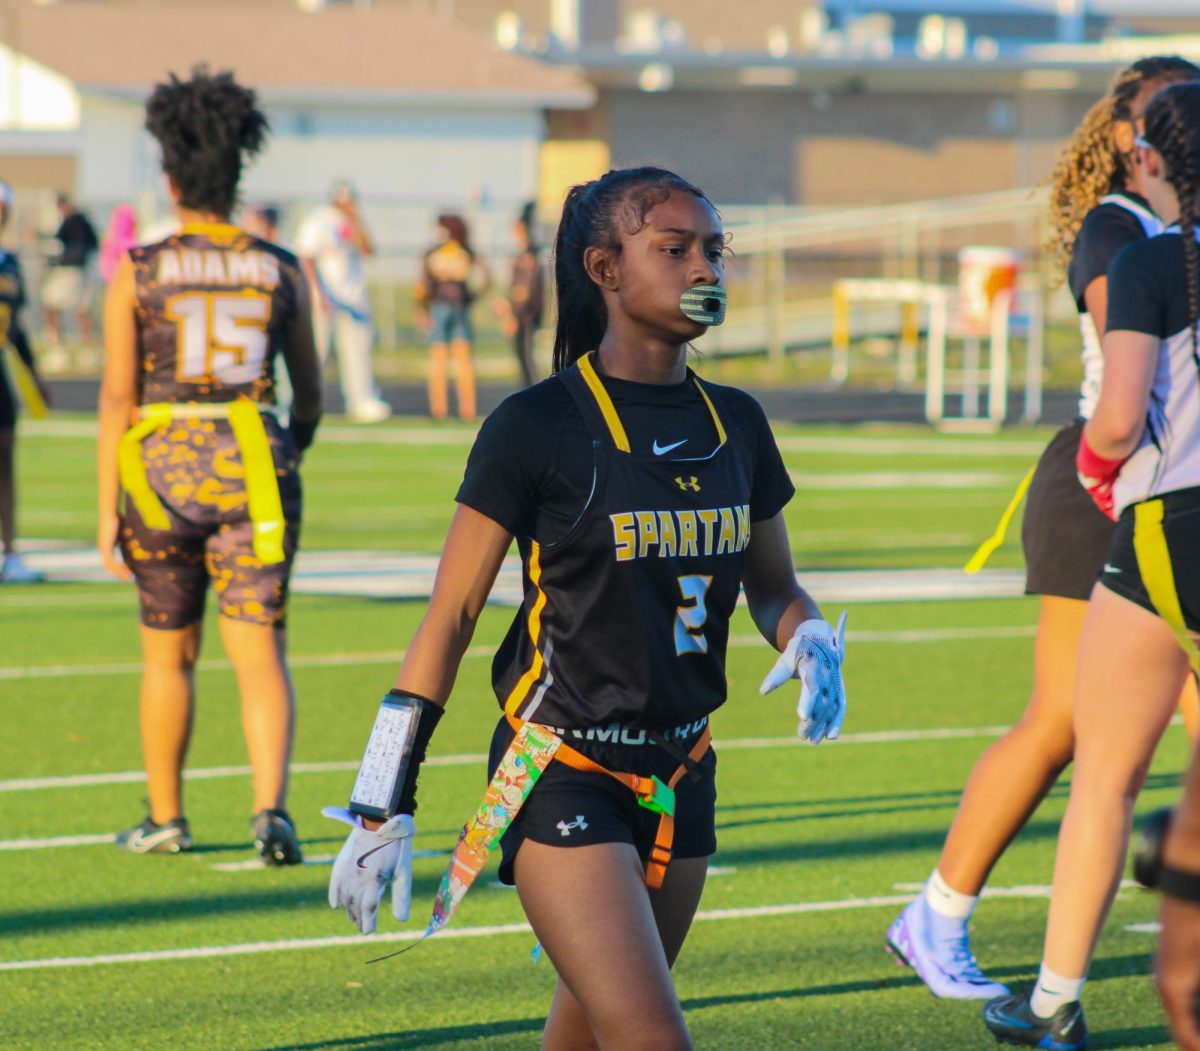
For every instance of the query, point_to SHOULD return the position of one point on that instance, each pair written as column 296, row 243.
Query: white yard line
column 257, row 864
column 847, row 445
column 904, row 480
column 337, row 660
column 38, row 784
column 377, row 940
column 55, row 841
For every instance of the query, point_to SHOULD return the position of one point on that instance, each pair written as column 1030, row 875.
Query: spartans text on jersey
column 683, row 534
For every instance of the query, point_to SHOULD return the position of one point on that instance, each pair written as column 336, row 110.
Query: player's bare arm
column 1120, row 417
column 118, row 398
column 778, row 604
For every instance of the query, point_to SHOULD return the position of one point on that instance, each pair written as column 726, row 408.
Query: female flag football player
column 1139, row 457
column 641, row 501
column 199, row 482
column 1098, row 207
column 13, row 569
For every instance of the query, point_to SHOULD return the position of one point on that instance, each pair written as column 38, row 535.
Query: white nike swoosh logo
column 660, row 450
column 1110, row 568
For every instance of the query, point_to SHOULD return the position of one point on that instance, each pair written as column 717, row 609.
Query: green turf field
column 810, row 839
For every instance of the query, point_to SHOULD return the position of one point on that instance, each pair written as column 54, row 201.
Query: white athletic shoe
column 369, row 411
column 942, row 959
column 15, row 571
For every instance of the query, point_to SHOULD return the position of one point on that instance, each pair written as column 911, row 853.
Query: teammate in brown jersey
column 199, row 481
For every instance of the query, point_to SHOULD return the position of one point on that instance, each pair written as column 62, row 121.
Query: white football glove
column 814, row 656
column 366, row 863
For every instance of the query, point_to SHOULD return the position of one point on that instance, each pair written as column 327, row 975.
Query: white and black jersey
column 1118, row 220
column 1147, row 293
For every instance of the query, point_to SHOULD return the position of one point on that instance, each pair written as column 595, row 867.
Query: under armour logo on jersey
column 686, row 482
column 565, row 826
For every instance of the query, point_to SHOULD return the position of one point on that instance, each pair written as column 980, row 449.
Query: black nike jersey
column 12, row 293
column 213, row 306
column 626, row 616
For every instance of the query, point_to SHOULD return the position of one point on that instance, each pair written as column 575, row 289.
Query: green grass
column 795, row 824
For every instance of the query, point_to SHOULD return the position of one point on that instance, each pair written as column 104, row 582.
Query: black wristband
column 303, row 432
column 1178, row 884
column 431, row 715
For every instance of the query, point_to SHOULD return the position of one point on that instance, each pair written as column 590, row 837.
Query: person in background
column 332, row 244
column 199, row 482
column 521, row 312
column 121, row 236
column 263, row 222
column 67, row 287
column 451, row 278
column 13, row 569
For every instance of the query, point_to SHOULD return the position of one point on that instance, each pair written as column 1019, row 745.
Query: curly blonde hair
column 1089, row 167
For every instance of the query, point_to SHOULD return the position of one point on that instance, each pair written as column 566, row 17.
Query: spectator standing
column 522, row 311
column 452, row 276
column 67, row 288
column 121, row 236
column 332, row 244
column 263, row 222
column 12, row 297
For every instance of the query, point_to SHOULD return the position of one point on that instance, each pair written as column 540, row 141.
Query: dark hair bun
column 207, row 126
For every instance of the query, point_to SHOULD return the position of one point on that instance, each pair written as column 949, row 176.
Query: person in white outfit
column 332, row 243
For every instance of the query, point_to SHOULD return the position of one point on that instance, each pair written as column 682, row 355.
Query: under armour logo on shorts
column 565, row 826
column 688, row 482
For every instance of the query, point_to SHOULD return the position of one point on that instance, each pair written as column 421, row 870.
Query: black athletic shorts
column 574, row 808
column 8, row 400
column 1064, row 534
column 1181, row 527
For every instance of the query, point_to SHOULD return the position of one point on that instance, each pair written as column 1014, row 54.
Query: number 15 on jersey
column 222, row 335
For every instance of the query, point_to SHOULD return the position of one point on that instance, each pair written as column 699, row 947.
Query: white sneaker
column 369, row 411
column 942, row 958
column 15, row 571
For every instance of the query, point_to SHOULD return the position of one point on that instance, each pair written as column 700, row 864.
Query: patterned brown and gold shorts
column 195, row 468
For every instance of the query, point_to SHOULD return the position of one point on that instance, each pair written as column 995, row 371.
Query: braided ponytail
column 597, row 214
column 1173, row 128
column 1090, row 167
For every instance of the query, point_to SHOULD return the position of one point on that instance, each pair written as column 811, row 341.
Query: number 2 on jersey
column 690, row 618
column 222, row 336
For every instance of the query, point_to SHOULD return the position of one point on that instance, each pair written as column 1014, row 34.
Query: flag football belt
column 531, row 751
column 27, row 388
column 262, row 486
column 978, row 560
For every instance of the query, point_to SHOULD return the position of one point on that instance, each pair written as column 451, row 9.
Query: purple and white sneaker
column 942, row 958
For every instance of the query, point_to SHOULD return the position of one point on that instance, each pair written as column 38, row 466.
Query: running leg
column 1131, row 670
column 1014, row 774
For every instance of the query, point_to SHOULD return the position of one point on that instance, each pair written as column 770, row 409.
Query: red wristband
column 1090, row 463
column 1097, row 474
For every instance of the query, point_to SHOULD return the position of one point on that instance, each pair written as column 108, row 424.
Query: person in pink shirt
column 121, row 236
